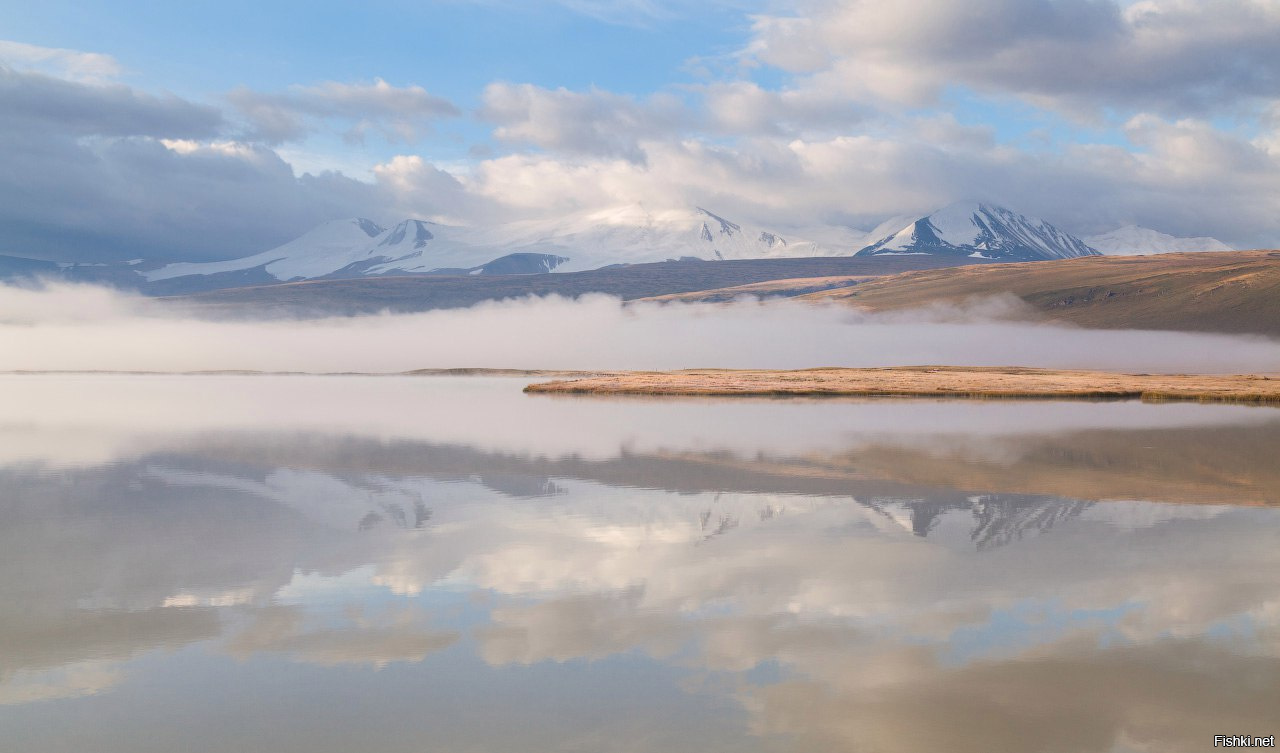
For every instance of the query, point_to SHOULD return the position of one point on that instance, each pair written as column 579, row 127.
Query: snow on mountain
column 980, row 231
column 625, row 235
column 633, row 234
column 1132, row 240
column 329, row 247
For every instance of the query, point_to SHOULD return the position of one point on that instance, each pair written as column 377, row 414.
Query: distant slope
column 1235, row 291
column 422, row 293
column 1132, row 240
column 981, row 231
column 785, row 288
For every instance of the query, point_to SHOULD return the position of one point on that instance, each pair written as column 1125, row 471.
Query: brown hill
column 1236, row 292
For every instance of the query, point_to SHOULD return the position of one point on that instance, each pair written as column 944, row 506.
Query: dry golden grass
column 1235, row 292
column 773, row 288
column 930, row 381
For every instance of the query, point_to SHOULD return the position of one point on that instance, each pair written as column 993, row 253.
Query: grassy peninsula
column 929, row 381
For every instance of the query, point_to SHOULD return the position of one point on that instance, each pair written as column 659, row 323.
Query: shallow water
column 386, row 564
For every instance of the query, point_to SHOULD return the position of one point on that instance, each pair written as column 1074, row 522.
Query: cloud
column 99, row 171
column 397, row 113
column 740, row 108
column 72, row 64
column 595, row 122
column 412, row 187
column 1167, row 56
column 36, row 103
column 603, row 124
column 855, row 132
column 1185, row 177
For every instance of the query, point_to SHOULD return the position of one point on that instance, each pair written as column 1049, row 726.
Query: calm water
column 391, row 564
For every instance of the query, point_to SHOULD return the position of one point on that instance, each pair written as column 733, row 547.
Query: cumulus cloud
column 1187, row 178
column 102, row 170
column 594, row 122
column 604, row 124
column 833, row 144
column 398, row 113
column 1169, row 56
column 37, row 103
column 88, row 200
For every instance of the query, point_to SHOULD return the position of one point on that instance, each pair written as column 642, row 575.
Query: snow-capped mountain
column 324, row 249
column 627, row 235
column 630, row 234
column 1132, row 240
column 633, row 234
column 981, row 231
column 359, row 247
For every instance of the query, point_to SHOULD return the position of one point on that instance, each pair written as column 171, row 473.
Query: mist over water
column 64, row 327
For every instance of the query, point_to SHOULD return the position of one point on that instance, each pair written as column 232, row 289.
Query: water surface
column 398, row 564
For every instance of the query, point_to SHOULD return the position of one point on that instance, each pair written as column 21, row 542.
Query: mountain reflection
column 993, row 589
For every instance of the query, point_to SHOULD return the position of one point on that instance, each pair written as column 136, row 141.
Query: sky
column 203, row 130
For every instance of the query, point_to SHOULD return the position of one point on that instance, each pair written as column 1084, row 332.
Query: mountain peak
column 370, row 228
column 413, row 233
column 980, row 230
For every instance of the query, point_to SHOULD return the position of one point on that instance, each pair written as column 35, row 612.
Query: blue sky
column 200, row 50
column 143, row 129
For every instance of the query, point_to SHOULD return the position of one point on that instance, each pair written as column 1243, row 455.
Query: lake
column 324, row 564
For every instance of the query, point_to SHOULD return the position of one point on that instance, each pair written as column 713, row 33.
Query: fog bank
column 65, row 327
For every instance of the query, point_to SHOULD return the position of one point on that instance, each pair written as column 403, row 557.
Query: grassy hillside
column 1210, row 292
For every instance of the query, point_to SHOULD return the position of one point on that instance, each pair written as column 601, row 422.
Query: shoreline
column 464, row 371
column 957, row 382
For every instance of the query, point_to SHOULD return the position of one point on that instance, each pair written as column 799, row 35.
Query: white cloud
column 103, row 170
column 398, row 113
column 1185, row 177
column 73, row 64
column 108, row 170
column 594, row 122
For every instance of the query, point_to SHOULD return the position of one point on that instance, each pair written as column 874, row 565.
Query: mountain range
column 352, row 248
column 628, row 235
column 981, row 231
column 1132, row 240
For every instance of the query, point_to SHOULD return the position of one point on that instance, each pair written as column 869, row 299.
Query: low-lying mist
column 63, row 327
